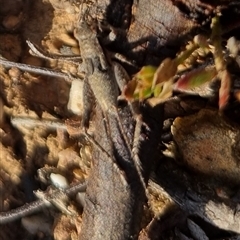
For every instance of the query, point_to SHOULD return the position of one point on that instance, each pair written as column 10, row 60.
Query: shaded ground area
column 194, row 188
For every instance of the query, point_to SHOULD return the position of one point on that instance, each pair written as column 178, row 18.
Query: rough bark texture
column 149, row 31
column 115, row 196
column 196, row 197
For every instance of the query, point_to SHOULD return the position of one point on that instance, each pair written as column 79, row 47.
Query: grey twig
column 38, row 52
column 39, row 70
column 36, row 206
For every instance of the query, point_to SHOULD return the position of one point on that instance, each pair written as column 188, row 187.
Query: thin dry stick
column 32, row 123
column 39, row 70
column 36, row 206
column 38, row 52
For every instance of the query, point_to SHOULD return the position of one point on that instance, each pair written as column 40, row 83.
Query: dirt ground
column 24, row 150
column 206, row 143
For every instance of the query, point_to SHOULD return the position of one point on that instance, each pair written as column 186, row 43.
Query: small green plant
column 159, row 82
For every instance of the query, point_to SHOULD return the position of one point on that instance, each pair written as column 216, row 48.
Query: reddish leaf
column 195, row 78
column 224, row 89
column 128, row 91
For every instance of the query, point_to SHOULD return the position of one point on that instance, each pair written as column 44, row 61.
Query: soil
column 203, row 148
column 24, row 150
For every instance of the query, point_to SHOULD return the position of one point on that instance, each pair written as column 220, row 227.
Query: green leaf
column 145, row 75
column 196, row 78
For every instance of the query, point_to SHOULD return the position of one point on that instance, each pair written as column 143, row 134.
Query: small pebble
column 58, row 181
column 75, row 102
column 80, row 198
column 233, row 46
